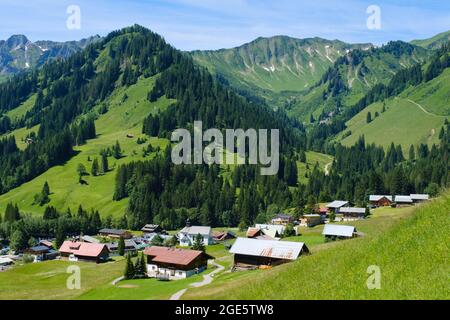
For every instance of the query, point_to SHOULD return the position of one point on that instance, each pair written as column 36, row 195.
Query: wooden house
column 171, row 263
column 115, row 233
column 339, row 232
column 380, row 200
column 83, row 251
column 253, row 253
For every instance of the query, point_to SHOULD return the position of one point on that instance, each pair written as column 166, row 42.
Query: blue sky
column 214, row 24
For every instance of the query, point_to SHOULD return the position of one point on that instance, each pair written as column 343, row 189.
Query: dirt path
column 327, row 168
column 207, row 279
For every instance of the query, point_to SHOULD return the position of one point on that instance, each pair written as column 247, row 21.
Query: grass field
column 409, row 245
column 311, row 159
column 123, row 118
column 48, row 280
column 403, row 123
column 21, row 110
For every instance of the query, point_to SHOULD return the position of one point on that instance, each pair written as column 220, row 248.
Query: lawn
column 311, row 159
column 402, row 123
column 47, row 280
column 124, row 117
column 408, row 244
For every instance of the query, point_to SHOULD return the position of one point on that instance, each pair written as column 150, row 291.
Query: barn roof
column 268, row 248
column 375, row 197
column 420, row 196
column 271, row 228
column 117, row 232
column 338, row 230
column 403, row 199
column 337, row 204
column 251, row 232
column 194, row 230
column 352, row 210
column 173, row 256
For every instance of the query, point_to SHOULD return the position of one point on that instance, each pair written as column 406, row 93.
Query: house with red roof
column 172, row 263
column 84, row 251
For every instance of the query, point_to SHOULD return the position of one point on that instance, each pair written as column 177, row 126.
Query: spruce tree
column 95, row 167
column 198, row 243
column 121, row 247
column 129, row 272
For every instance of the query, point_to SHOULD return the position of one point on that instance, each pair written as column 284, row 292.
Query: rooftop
column 268, row 248
column 173, row 256
column 194, row 230
column 338, row 230
column 403, row 199
column 376, row 197
column 352, row 210
column 337, row 204
column 82, row 248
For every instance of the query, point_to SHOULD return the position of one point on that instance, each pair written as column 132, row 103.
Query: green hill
column 276, row 64
column 433, row 42
column 409, row 248
column 415, row 116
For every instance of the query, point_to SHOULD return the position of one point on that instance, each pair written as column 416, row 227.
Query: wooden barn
column 83, row 251
column 380, row 200
column 253, row 253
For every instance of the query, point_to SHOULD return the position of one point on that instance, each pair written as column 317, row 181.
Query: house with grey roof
column 380, row 200
column 352, row 214
column 336, row 205
column 253, row 254
column 187, row 235
column 338, row 232
column 403, row 200
column 417, row 198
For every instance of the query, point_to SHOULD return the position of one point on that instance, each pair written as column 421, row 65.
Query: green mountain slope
column 352, row 76
column 409, row 249
column 433, row 42
column 267, row 67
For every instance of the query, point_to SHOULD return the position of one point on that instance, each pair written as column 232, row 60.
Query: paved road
column 207, row 279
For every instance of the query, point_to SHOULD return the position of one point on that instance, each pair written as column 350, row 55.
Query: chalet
column 84, row 251
column 187, row 235
column 401, row 201
column 282, row 219
column 115, row 233
column 222, row 235
column 380, row 200
column 352, row 214
column 170, row 263
column 42, row 253
column 252, row 254
column 151, row 228
column 130, row 246
column 338, row 232
column 417, row 198
column 336, row 205
column 272, row 230
column 310, row 220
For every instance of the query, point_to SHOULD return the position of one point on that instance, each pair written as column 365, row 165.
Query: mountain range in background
column 18, row 53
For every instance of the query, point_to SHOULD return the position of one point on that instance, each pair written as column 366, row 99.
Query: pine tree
column 104, row 164
column 95, row 167
column 369, row 117
column 198, row 243
column 129, row 272
column 59, row 236
column 412, row 153
column 117, row 151
column 121, row 246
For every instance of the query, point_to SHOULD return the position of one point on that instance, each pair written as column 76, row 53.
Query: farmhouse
column 310, row 220
column 417, row 198
column 84, row 251
column 380, row 200
column 41, row 253
column 252, row 254
column 282, row 219
column 188, row 234
column 130, row 246
column 170, row 263
column 352, row 214
column 338, row 232
column 401, row 201
column 151, row 228
column 222, row 235
column 115, row 233
column 336, row 205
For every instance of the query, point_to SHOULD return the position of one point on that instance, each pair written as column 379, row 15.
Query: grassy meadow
column 408, row 244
